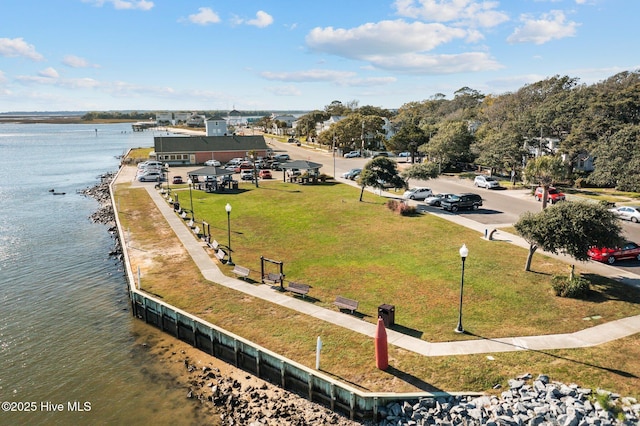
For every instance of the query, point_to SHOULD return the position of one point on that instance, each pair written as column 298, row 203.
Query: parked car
column 246, row 174
column 461, row 201
column 487, row 182
column 150, row 177
column 214, row 163
column 553, row 195
column 629, row 250
column 352, row 174
column 177, row 180
column 293, row 172
column 265, row 174
column 380, row 154
column 436, row 199
column 417, row 193
column 282, row 157
column 631, row 213
column 294, row 140
column 352, row 154
column 245, row 165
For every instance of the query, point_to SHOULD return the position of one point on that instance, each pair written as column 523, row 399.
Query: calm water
column 66, row 332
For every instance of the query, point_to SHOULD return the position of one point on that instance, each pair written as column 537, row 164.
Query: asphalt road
column 500, row 207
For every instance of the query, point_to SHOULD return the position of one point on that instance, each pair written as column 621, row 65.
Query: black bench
column 298, row 288
column 241, row 271
column 348, row 304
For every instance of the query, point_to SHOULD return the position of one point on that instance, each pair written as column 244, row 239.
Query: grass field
column 362, row 250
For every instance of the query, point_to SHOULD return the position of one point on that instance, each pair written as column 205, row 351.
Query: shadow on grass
column 621, row 373
column 406, row 330
column 604, row 290
column 412, row 380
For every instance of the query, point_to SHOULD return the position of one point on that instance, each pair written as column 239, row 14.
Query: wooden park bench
column 272, row 278
column 184, row 215
column 298, row 288
column 214, row 245
column 348, row 304
column 196, row 230
column 241, row 271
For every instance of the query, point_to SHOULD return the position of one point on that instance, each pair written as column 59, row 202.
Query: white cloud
column 262, row 20
column 124, row 4
column 480, row 13
column 308, row 76
column 205, row 16
column 550, row 26
column 284, row 90
column 436, row 64
column 385, row 37
column 49, row 73
column 77, row 62
column 17, row 47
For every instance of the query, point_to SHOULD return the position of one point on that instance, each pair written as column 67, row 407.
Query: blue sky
column 299, row 55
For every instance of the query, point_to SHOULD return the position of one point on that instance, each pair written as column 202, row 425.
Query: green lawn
column 341, row 246
column 364, row 251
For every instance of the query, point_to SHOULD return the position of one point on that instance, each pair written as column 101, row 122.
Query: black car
column 461, row 201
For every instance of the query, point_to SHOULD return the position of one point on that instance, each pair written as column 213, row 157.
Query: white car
column 215, row 163
column 417, row 194
column 488, row 182
column 352, row 154
column 246, row 174
column 631, row 213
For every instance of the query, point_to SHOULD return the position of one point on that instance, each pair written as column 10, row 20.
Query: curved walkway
column 589, row 337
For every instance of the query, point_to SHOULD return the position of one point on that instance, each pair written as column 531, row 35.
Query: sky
column 103, row 55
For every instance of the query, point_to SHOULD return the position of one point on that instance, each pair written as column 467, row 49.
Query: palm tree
column 544, row 171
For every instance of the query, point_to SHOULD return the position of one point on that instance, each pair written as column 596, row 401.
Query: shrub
column 575, row 288
column 401, row 208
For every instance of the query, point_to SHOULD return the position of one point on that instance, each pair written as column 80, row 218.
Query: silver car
column 631, row 213
column 488, row 182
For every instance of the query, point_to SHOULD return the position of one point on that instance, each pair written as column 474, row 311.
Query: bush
column 401, row 208
column 575, row 288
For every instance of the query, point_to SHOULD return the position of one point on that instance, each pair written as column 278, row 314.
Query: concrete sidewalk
column 589, row 337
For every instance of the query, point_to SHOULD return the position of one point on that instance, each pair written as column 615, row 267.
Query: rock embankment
column 253, row 403
column 540, row 403
column 105, row 214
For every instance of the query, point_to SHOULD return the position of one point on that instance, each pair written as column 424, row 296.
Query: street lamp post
column 228, row 209
column 166, row 168
column 190, row 182
column 464, row 252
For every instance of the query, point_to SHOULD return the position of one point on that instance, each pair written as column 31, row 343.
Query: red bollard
column 382, row 353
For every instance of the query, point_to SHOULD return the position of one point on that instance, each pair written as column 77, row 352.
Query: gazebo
column 312, row 169
column 214, row 172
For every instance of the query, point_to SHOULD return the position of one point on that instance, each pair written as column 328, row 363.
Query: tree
column 379, row 173
column 422, row 171
column 408, row 138
column 569, row 228
column 544, row 171
column 617, row 162
column 450, row 144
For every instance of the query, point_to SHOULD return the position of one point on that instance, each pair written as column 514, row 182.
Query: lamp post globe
column 228, row 210
column 464, row 252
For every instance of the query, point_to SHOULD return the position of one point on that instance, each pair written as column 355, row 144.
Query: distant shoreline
column 53, row 119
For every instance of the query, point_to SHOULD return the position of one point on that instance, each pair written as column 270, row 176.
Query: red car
column 265, row 174
column 553, row 195
column 610, row 255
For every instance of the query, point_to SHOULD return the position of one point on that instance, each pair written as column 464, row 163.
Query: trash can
column 234, row 184
column 176, row 206
column 388, row 314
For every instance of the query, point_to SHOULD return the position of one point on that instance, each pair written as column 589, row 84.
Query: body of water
column 67, row 338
